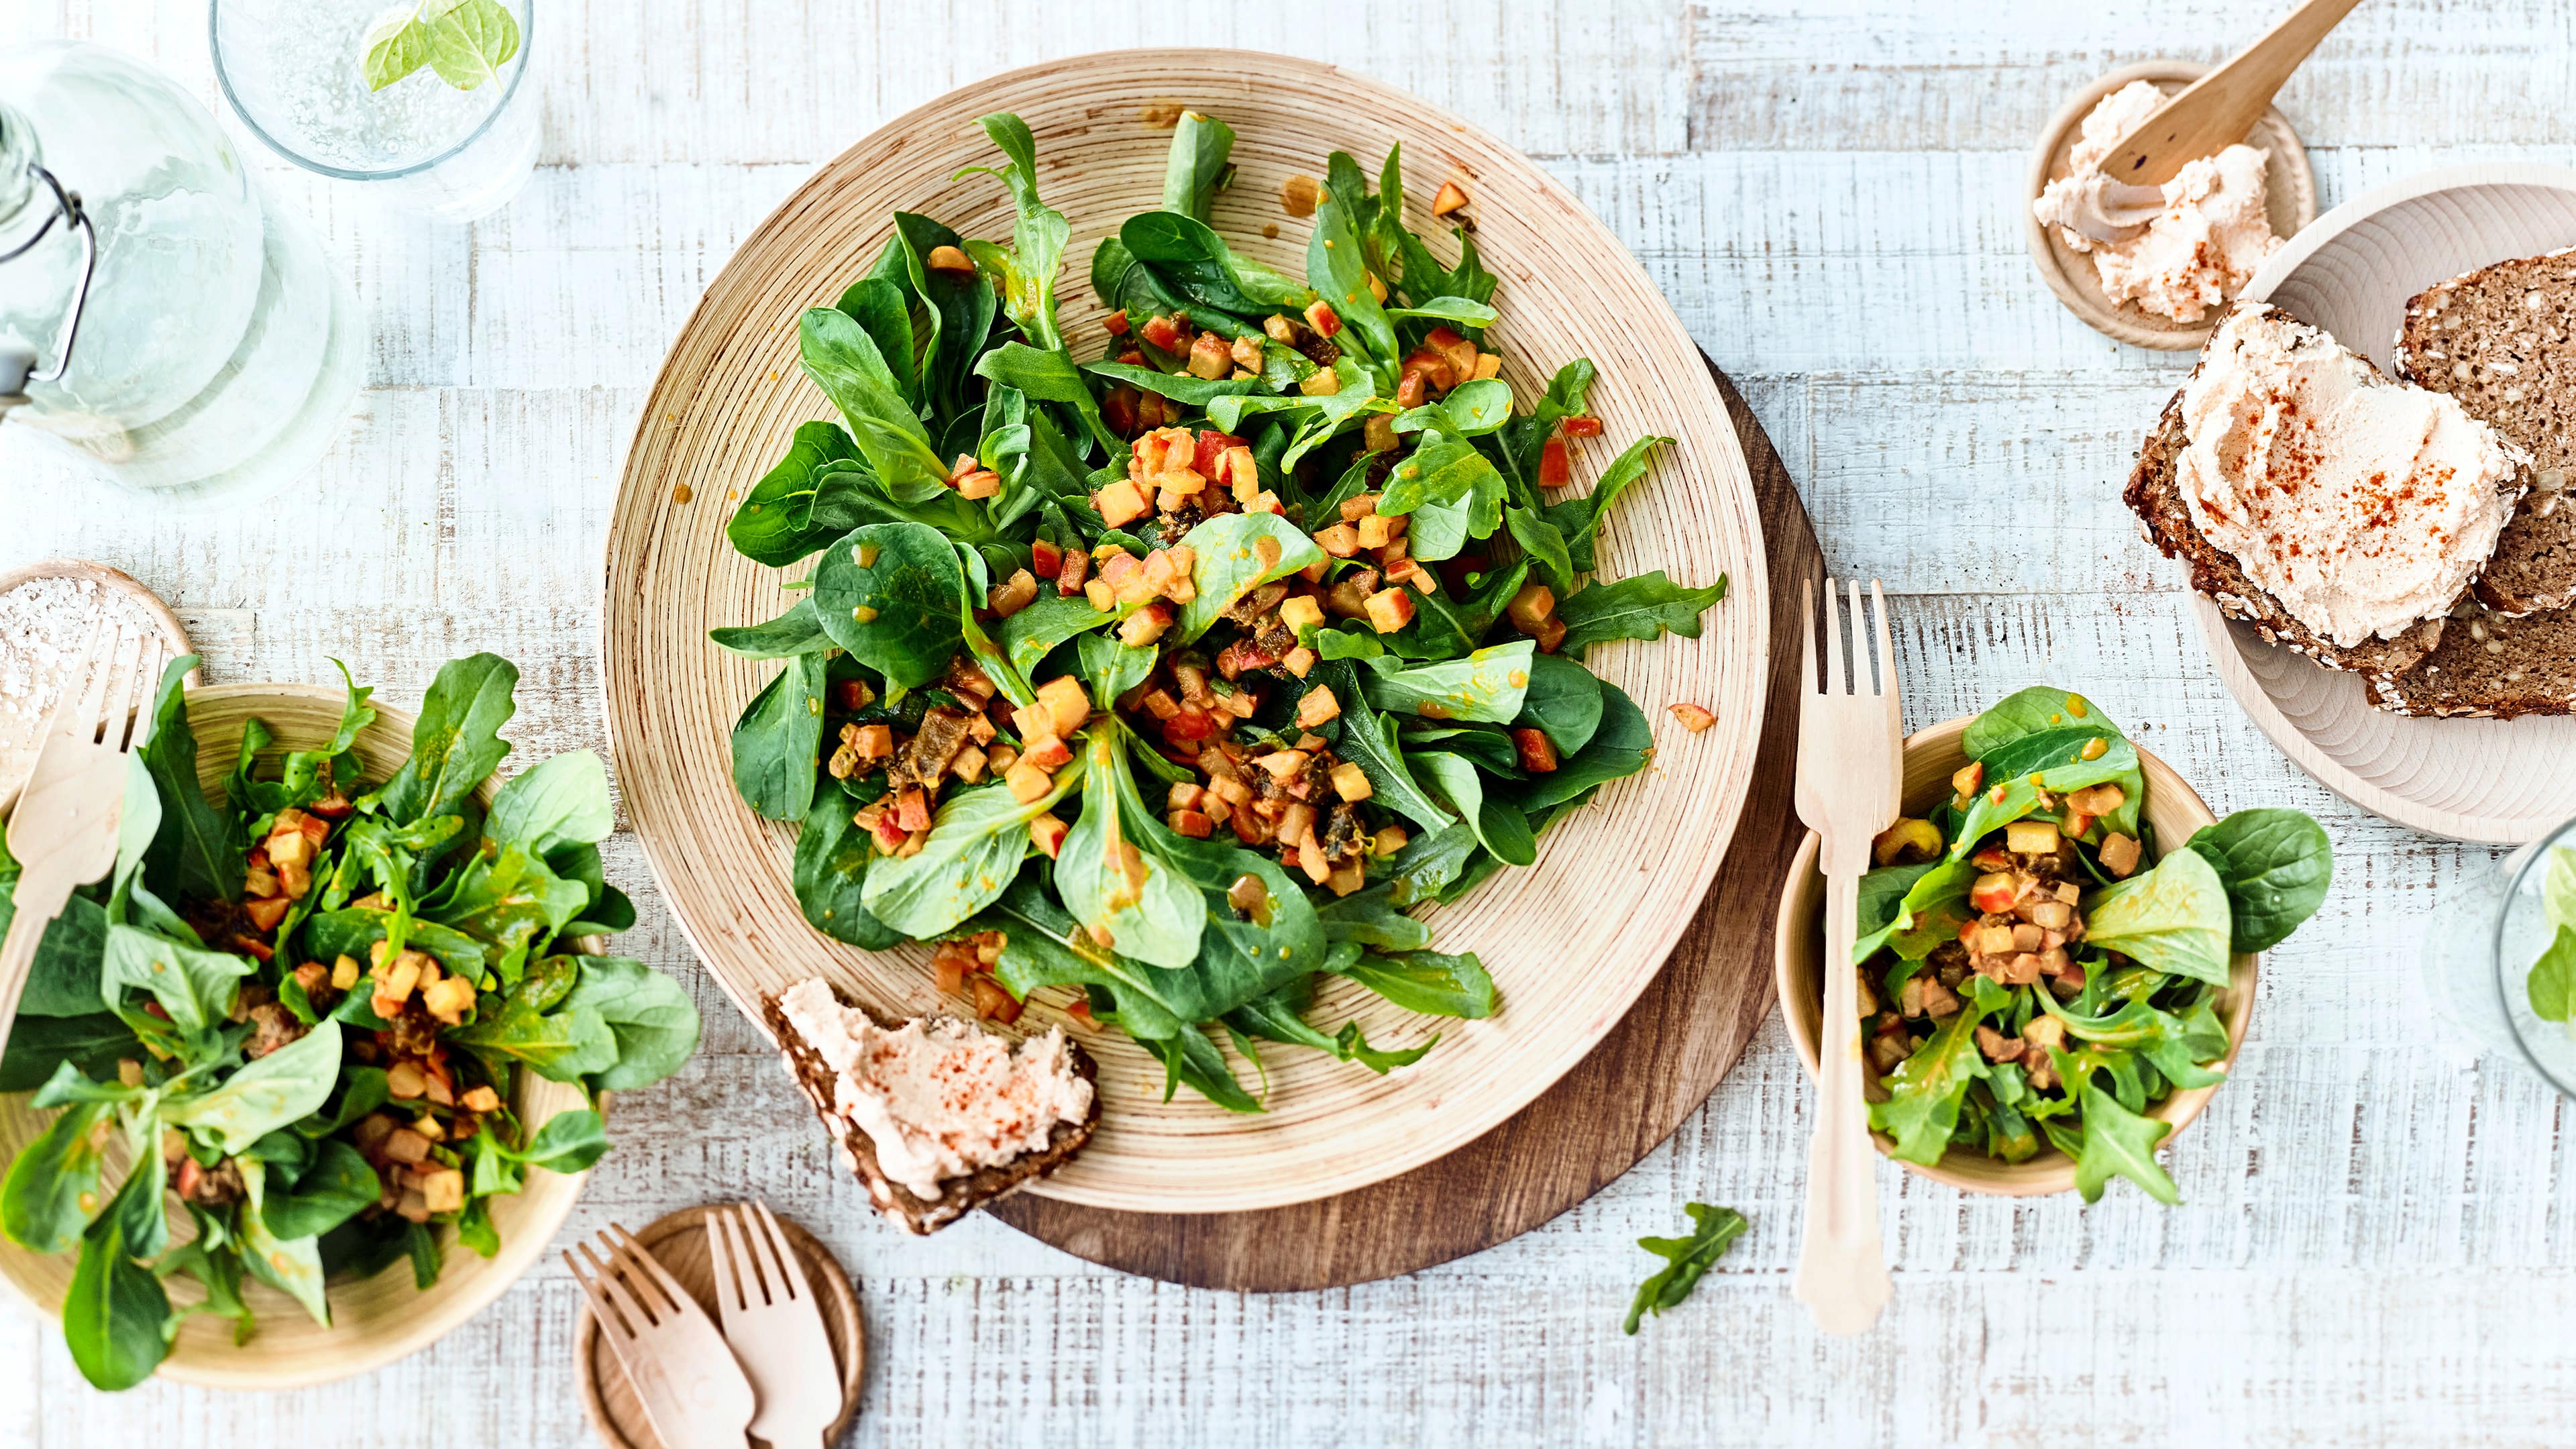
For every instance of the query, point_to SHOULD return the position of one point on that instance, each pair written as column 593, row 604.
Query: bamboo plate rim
column 2234, row 648
column 1931, row 754
column 2290, row 195
column 290, row 1350
column 727, row 396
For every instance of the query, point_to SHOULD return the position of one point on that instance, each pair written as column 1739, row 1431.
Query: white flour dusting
column 44, row 626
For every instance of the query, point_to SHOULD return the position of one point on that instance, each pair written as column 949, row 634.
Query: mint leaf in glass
column 465, row 42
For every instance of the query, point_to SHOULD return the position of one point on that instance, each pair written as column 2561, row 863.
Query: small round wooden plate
column 2500, row 782
column 2175, row 810
column 1645, row 1077
column 2290, row 199
column 1571, row 941
column 18, row 737
column 680, row 1242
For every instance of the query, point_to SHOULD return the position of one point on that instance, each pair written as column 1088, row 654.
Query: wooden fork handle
column 1842, row 1264
column 2220, row 109
column 37, row 900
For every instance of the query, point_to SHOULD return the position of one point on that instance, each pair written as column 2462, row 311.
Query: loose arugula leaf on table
column 2173, row 919
column 2276, row 865
column 1687, row 1260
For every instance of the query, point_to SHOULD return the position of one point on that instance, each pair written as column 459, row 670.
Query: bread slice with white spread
column 2342, row 513
column 937, row 1115
column 2502, row 341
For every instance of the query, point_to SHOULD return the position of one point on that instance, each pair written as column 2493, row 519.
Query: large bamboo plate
column 1571, row 941
column 2504, row 782
column 376, row 1320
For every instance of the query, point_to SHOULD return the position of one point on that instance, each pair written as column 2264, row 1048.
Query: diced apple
column 1452, row 196
column 1122, row 503
column 1390, row 610
column 1531, row 608
column 1322, row 382
column 1299, row 661
column 1321, row 316
column 2031, row 837
column 1191, row 823
column 1316, row 706
column 1048, row 754
column 1047, row 833
column 1351, row 782
column 1027, row 782
column 1065, row 702
column 1300, row 611
column 982, row 483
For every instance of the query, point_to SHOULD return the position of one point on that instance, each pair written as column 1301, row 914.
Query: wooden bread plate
column 17, row 737
column 2500, row 782
column 1571, row 942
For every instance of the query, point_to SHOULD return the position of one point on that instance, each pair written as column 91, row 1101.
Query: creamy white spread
column 2201, row 249
column 2364, row 505
column 939, row 1097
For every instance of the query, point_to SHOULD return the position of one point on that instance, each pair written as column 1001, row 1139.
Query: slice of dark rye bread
column 2502, row 340
column 2494, row 665
column 958, row 1196
column 2155, row 495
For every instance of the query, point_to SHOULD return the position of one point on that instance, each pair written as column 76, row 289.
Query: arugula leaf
column 843, row 360
column 1369, row 741
column 1276, row 1018
column 1424, row 981
column 1579, row 520
column 1563, row 702
column 1926, row 1089
column 1371, row 918
column 114, row 1312
column 1449, row 309
column 798, row 631
column 1686, row 1260
column 1524, row 439
column 1928, row 909
column 2276, row 865
column 1338, row 271
column 334, row 1189
column 1642, row 607
column 565, row 1045
column 2120, row 1143
column 1198, row 264
column 2172, row 919
column 352, row 930
column 961, row 306
column 52, row 1190
column 510, row 900
column 288, row 1084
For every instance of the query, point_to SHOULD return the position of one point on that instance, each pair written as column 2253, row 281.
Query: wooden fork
column 686, row 1378
column 63, row 831
column 1850, row 769
column 771, row 1318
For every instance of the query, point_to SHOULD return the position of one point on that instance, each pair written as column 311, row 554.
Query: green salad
column 2026, row 974
column 1172, row 664
column 303, row 1009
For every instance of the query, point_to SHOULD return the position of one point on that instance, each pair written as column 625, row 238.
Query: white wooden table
column 2376, row 1241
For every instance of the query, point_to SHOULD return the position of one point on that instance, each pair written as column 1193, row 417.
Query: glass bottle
column 172, row 323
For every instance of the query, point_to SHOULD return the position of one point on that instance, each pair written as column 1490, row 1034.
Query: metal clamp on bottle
column 17, row 359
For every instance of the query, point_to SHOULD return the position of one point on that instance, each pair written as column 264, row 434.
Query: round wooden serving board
column 680, row 1242
column 1652, row 1071
column 1571, row 941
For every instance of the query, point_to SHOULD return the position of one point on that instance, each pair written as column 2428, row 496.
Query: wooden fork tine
column 1807, row 665
column 642, row 1257
column 76, row 709
column 115, row 713
column 790, row 1276
column 1886, row 657
column 722, row 1247
column 1835, row 679
column 609, row 1314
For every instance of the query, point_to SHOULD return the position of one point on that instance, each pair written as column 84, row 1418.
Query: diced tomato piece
column 1189, row 724
column 1070, row 574
column 1045, row 559
column 1132, row 358
column 314, row 828
column 890, row 836
column 1553, row 470
column 1242, row 655
column 1161, row 333
column 1080, row 1011
column 1321, row 316
column 1211, row 450
column 1412, row 390
column 1117, row 323
column 1118, row 410
column 912, row 809
column 252, row 947
column 1537, row 751
column 1191, row 823
column 1581, row 425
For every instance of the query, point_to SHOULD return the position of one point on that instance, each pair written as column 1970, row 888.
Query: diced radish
column 1553, row 470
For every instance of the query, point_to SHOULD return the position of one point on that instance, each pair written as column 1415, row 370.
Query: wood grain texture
column 1571, row 940
column 2376, row 1242
column 1649, row 1073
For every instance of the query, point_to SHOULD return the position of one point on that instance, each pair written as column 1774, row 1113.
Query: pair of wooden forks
column 768, row 1370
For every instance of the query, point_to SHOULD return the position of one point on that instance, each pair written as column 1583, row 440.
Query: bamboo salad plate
column 1571, row 942
column 2503, row 782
